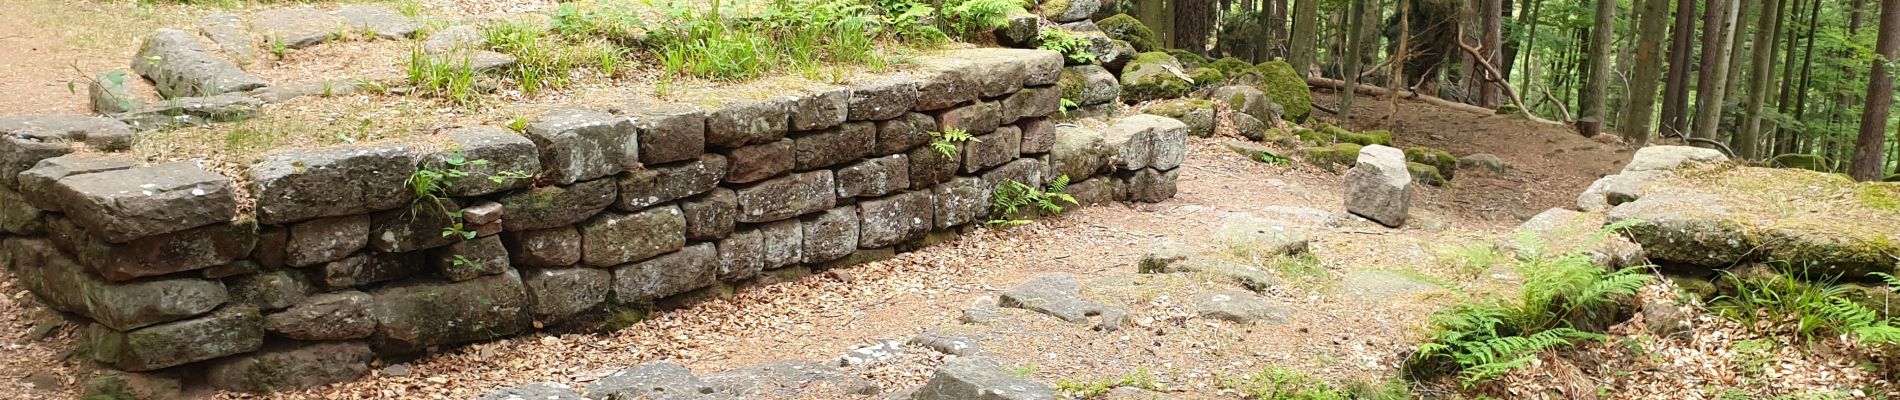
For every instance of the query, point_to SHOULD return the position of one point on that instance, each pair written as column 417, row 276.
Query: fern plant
column 1073, row 47
column 1011, row 197
column 945, row 141
column 1814, row 308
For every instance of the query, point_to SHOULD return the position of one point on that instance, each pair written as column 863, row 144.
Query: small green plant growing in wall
column 430, row 184
column 1073, row 47
column 1011, row 197
column 945, row 142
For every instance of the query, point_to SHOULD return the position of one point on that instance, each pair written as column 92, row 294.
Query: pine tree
column 1869, row 148
column 1638, row 122
column 1596, row 87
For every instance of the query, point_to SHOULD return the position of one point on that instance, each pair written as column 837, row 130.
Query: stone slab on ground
column 980, row 378
column 1379, row 187
column 180, row 66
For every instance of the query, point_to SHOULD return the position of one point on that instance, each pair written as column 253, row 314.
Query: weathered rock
column 1126, row 28
column 1027, row 171
column 231, row 330
column 481, row 212
column 993, row 149
column 536, row 391
column 847, row 142
column 377, row 21
column 1425, row 174
column 613, row 238
column 1559, row 232
column 19, row 218
column 495, row 160
column 179, row 66
column 38, row 185
column 1238, row 307
column 555, row 206
column 1249, row 100
column 981, row 310
column 741, row 255
column 875, row 353
column 477, row 61
column 457, row 37
column 956, row 345
column 412, row 316
column 556, row 247
column 1032, row 102
column 300, row 184
column 296, row 28
column 110, row 384
column 286, row 91
column 368, row 268
column 189, row 250
column 1383, row 285
column 1162, row 256
column 231, row 34
column 192, row 111
column 1482, row 161
column 1282, row 84
column 1020, row 31
column 757, row 162
column 1144, row 141
column 1617, row 189
column 830, row 235
column 787, row 197
column 900, row 134
column 652, row 380
column 324, row 240
column 1655, row 158
column 1148, row 185
column 1039, row 135
column 670, row 132
column 883, row 98
column 1244, row 275
column 1080, row 152
column 1056, row 294
column 268, row 290
column 419, row 227
column 820, row 108
column 1068, row 10
column 743, row 122
column 980, row 378
column 64, row 285
column 22, row 146
column 1248, row 127
column 340, row 315
column 1196, row 113
column 110, row 94
column 673, row 273
column 959, row 201
column 895, row 219
column 929, row 166
column 1262, row 237
column 471, row 258
column 1379, row 187
column 786, row 379
column 578, row 145
column 975, row 118
column 784, row 243
column 663, row 183
column 1690, row 228
column 1664, row 317
column 1099, row 190
column 1153, row 76
column 874, row 177
column 126, row 204
column 1089, row 85
column 558, row 294
column 302, row 367
column 711, row 216
column 944, row 84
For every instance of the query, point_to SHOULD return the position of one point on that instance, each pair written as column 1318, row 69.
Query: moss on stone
column 1148, row 77
column 1286, row 88
column 1127, row 28
column 1330, row 157
column 1801, row 161
column 1232, row 67
column 1204, row 76
column 1155, row 57
column 1188, row 58
column 1072, row 84
column 1425, row 173
column 1328, row 133
column 1179, row 108
column 1440, row 159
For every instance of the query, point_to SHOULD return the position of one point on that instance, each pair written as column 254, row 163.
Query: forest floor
column 1354, row 319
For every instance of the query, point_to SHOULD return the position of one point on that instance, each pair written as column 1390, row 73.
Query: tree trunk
column 1868, row 150
column 1718, row 35
column 1492, row 44
column 1781, row 137
column 1193, row 22
column 1301, row 51
column 1596, row 88
column 1638, row 123
column 1529, row 24
column 1747, row 142
column 1676, row 91
column 1355, row 22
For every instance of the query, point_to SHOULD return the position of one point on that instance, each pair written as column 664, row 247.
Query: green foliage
column 1011, row 197
column 1278, row 383
column 546, row 58
column 1089, row 389
column 945, row 141
column 1075, row 48
column 1485, row 339
column 1023, row 371
column 971, row 16
column 1125, row 27
column 430, row 185
column 1814, row 308
column 442, row 77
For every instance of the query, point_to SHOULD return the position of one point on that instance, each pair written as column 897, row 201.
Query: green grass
column 442, row 77
column 1093, row 388
column 1811, row 309
column 1278, row 383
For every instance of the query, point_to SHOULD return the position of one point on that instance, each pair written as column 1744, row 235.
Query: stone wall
column 327, row 258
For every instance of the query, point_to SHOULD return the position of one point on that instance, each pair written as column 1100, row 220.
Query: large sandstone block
column 976, row 118
column 415, row 315
column 678, row 272
column 820, row 108
column 1028, row 171
column 1379, row 187
column 232, row 36
column 370, row 267
column 847, row 142
column 902, row 133
column 127, row 204
column 578, row 145
column 555, row 206
column 1088, row 85
column 1039, row 135
column 555, row 247
column 493, row 160
column 784, row 243
column 883, row 98
column 98, row 133
column 757, row 162
column 1148, row 141
column 980, row 378
column 830, row 235
column 944, row 84
column 663, row 183
column 750, row 121
column 711, row 216
column 895, row 219
column 959, row 201
column 189, row 250
column 324, row 240
column 874, row 177
column 64, row 285
column 613, row 238
column 17, row 217
column 228, row 331
column 558, row 294
column 180, row 66
column 291, row 368
column 420, row 226
column 1032, row 102
column 1560, row 232
column 670, row 132
column 273, row 290
column 1662, row 158
column 786, row 197
column 990, row 150
column 929, row 166
column 296, row 28
column 470, row 259
column 300, row 184
column 741, row 255
column 340, row 315
column 39, row 185
column 1148, row 185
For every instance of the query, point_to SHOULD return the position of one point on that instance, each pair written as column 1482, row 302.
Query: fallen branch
column 1559, row 102
column 1370, row 90
column 1495, row 77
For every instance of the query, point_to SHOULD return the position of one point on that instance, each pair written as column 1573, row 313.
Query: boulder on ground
column 1154, row 76
column 180, row 66
column 980, row 378
column 380, row 22
column 787, row 379
column 1438, row 159
column 1238, row 307
column 1261, row 237
column 1068, row 10
column 1196, row 113
column 1654, row 158
column 1056, row 294
column 1802, row 161
column 1285, row 87
column 1560, row 232
column 292, row 368
column 655, row 380
column 1482, row 161
column 1087, row 85
column 1333, row 156
column 1425, row 174
column 1379, row 188
column 296, row 28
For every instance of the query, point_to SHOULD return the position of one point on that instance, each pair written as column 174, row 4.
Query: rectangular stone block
column 470, row 259
column 180, row 66
column 64, row 285
column 848, row 142
column 669, row 132
column 189, row 250
column 941, row 86
column 894, row 219
column 492, row 159
column 1148, row 185
column 39, row 187
column 883, row 98
column 613, row 238
column 232, row 330
column 560, row 294
column 1098, row 190
column 976, row 118
column 786, row 197
column 1147, row 141
column 1033, row 102
column 412, row 316
column 874, row 177
column 1039, row 135
column 370, row 267
column 905, row 132
column 757, row 162
column 928, row 167
column 418, row 227
column 122, row 205
column 959, row 201
column 784, row 243
column 291, row 368
column 1025, row 170
column 741, row 255
column 830, row 235
column 555, row 206
column 678, row 272
column 663, row 183
column 578, row 145
column 324, row 240
column 299, row 184
column 710, row 216
column 1002, row 146
column 17, row 217
column 743, row 122
column 555, row 247
column 274, row 290
column 820, row 108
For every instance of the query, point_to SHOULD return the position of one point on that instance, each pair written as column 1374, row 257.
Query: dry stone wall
column 338, row 261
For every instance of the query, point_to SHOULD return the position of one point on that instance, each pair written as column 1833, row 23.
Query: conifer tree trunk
column 1596, row 88
column 1193, row 22
column 1301, row 50
column 1492, row 45
column 1873, row 122
column 1747, row 142
column 1676, row 91
column 1639, row 121
column 1718, row 35
column 1355, row 22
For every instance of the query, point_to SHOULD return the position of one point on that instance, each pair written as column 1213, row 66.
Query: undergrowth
column 1811, row 309
column 1278, row 383
column 1481, row 340
column 1012, row 198
column 1096, row 388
